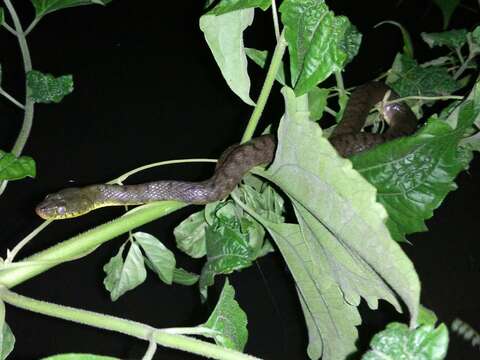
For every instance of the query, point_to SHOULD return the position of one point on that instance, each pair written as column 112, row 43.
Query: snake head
column 66, row 203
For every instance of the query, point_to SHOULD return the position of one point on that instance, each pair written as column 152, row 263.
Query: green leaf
column 79, row 357
column 414, row 174
column 228, row 247
column 190, row 235
column 453, row 39
column 341, row 250
column 13, row 168
column 397, row 341
column 183, row 277
column 259, row 57
column 408, row 78
column 447, row 7
column 124, row 276
column 7, row 341
column 2, row 15
column 426, row 316
column 226, row 6
column 224, row 35
column 407, row 40
column 319, row 42
column 160, row 258
column 43, row 7
column 45, row 88
column 228, row 320
column 317, row 101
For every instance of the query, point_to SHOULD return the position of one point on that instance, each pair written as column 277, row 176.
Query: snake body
column 236, row 161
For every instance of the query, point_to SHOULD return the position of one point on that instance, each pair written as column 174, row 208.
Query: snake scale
column 237, row 160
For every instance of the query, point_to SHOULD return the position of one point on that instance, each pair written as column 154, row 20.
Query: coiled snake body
column 236, row 161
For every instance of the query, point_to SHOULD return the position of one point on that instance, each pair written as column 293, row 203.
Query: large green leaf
column 43, row 7
column 190, row 234
column 341, row 250
column 224, row 35
column 226, row 6
column 414, row 174
column 228, row 321
column 318, row 41
column 13, row 168
column 397, row 341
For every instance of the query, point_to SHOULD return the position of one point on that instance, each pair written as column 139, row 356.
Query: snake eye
column 61, row 210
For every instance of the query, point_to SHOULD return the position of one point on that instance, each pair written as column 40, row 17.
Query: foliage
column 339, row 241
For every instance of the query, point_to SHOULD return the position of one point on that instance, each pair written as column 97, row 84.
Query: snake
column 236, row 161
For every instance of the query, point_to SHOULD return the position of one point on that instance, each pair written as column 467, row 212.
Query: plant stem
column 124, row 326
column 77, row 246
column 9, row 28
column 123, row 177
column 11, row 98
column 276, row 25
column 267, row 87
column 32, row 25
column 462, row 68
column 29, row 104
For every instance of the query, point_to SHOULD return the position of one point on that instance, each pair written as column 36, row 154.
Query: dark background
column 147, row 89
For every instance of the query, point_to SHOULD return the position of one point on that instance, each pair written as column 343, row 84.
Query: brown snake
column 236, row 161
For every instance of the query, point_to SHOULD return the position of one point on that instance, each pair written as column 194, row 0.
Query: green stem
column 124, row 326
column 11, row 98
column 77, row 246
column 267, row 87
column 29, row 104
column 32, row 25
column 9, row 28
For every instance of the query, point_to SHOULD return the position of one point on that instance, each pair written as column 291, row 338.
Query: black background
column 147, row 89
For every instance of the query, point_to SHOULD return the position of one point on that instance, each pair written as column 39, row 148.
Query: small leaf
column 447, row 7
column 226, row 6
column 43, row 7
column 407, row 40
column 259, row 57
column 124, row 276
column 2, row 15
column 160, row 258
column 454, row 39
column 319, row 42
column 45, row 88
column 224, row 35
column 190, row 235
column 228, row 248
column 397, row 341
column 183, row 277
column 228, row 320
column 13, row 168
column 426, row 316
column 79, row 357
column 317, row 101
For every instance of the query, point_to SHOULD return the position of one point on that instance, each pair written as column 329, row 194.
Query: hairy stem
column 276, row 25
column 124, row 326
column 267, row 87
column 77, row 246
